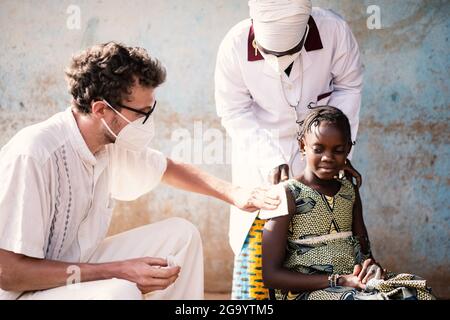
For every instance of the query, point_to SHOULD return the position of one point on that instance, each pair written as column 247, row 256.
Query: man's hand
column 149, row 274
column 351, row 173
column 253, row 199
column 279, row 174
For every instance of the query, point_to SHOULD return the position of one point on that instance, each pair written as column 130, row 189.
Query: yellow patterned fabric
column 318, row 216
column 257, row 289
column 247, row 277
column 336, row 251
column 314, row 215
column 404, row 285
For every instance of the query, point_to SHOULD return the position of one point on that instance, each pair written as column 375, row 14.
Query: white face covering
column 279, row 64
column 135, row 136
column 278, row 24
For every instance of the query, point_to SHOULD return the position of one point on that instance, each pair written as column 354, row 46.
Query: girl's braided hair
column 321, row 114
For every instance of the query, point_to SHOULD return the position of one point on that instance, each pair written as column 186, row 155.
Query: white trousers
column 172, row 237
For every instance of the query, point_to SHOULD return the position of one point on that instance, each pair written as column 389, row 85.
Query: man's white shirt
column 56, row 197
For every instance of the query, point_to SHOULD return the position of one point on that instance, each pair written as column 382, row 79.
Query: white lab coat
column 258, row 115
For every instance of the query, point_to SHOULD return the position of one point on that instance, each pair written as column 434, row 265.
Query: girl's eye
column 317, row 150
column 339, row 151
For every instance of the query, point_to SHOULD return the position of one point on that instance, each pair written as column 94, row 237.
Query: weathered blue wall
column 403, row 145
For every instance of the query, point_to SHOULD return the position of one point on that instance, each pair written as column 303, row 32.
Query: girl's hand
column 254, row 199
column 351, row 173
column 350, row 280
column 369, row 269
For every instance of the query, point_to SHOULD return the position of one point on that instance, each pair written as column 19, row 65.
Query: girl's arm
column 358, row 227
column 359, row 230
column 275, row 275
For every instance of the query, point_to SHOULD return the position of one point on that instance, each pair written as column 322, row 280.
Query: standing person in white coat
column 271, row 68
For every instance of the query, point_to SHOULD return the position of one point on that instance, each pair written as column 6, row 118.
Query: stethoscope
column 295, row 154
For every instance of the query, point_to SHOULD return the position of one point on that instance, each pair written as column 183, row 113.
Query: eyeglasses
column 145, row 114
column 296, row 49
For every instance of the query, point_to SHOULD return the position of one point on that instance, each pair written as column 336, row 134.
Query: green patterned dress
column 320, row 241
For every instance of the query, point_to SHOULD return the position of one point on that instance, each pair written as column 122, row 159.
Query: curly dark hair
column 108, row 71
column 325, row 114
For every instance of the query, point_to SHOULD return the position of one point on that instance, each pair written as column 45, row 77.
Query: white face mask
column 135, row 136
column 279, row 64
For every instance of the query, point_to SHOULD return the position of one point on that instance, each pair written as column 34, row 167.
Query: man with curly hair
column 59, row 180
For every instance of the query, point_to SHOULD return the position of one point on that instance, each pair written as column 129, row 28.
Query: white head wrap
column 279, row 25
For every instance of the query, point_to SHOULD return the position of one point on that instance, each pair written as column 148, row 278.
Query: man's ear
column 98, row 109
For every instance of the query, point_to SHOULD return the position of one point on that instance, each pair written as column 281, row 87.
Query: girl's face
column 326, row 150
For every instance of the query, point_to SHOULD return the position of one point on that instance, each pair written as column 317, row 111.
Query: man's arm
column 188, row 177
column 21, row 273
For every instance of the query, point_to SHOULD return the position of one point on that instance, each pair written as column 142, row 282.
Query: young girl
column 321, row 249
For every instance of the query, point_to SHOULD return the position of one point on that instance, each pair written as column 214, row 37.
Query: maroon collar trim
column 313, row 42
